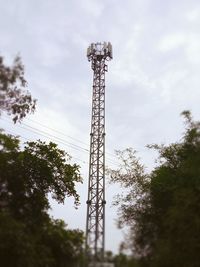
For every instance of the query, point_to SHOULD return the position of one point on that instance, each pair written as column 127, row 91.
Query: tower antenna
column 98, row 54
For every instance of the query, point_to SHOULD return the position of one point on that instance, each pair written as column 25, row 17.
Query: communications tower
column 98, row 54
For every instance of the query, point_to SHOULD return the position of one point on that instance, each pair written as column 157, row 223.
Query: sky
column 153, row 77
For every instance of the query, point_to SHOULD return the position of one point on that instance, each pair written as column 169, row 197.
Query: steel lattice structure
column 98, row 54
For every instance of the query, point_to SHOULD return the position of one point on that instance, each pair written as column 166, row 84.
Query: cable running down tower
column 98, row 54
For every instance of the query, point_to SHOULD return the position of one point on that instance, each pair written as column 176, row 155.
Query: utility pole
column 98, row 54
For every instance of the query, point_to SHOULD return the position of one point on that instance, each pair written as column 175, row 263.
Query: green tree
column 14, row 99
column 162, row 208
column 65, row 245
column 29, row 237
column 123, row 260
column 52, row 245
column 108, row 256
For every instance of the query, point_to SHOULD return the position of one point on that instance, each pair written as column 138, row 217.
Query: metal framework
column 98, row 54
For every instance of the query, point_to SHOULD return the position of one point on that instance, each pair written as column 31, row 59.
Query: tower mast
column 98, row 54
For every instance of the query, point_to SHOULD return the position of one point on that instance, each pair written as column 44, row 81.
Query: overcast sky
column 153, row 77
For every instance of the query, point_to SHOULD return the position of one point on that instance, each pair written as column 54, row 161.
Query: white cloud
column 193, row 15
column 93, row 8
column 193, row 48
column 172, row 41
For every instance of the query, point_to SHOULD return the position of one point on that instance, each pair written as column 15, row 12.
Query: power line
column 58, row 139
column 47, row 127
column 28, row 139
column 66, row 136
column 62, row 140
column 52, row 129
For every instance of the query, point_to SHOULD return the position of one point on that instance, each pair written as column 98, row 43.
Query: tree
column 134, row 180
column 162, row 208
column 14, row 99
column 65, row 245
column 29, row 237
column 27, row 176
column 123, row 260
column 52, row 245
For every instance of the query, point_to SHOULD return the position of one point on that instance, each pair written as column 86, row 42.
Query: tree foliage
column 29, row 237
column 14, row 99
column 162, row 208
column 120, row 260
column 123, row 260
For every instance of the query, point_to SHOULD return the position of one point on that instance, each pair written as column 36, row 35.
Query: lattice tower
column 98, row 54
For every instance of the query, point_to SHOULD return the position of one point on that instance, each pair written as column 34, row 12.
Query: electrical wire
column 47, row 127
column 28, row 139
column 58, row 139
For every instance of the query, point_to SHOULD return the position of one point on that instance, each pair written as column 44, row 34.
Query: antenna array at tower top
column 100, row 51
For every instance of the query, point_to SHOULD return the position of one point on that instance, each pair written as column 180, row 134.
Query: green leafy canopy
column 161, row 208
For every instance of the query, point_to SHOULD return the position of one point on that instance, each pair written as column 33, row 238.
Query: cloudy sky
column 153, row 77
